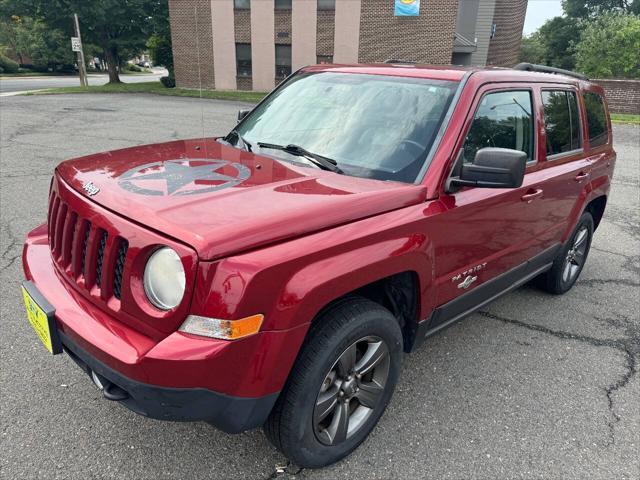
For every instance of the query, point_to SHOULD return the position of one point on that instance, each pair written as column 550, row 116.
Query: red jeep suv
column 275, row 276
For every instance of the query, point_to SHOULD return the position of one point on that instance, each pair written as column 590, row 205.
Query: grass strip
column 625, row 118
column 158, row 89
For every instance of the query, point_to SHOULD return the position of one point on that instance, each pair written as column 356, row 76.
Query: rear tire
column 570, row 260
column 340, row 384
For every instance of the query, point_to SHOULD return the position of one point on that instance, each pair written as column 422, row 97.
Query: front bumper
column 232, row 385
column 229, row 414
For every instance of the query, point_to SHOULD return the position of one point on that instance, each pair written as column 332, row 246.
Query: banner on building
column 407, row 8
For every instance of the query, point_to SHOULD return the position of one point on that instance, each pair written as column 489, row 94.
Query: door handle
column 581, row 176
column 532, row 195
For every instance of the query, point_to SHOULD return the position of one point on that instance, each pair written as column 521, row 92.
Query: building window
column 243, row 59
column 283, row 4
column 242, row 4
column 326, row 4
column 324, row 59
column 283, row 61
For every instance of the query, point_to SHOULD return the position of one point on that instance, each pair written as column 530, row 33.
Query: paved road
column 534, row 386
column 23, row 84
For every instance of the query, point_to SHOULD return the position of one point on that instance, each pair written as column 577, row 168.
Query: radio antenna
column 195, row 14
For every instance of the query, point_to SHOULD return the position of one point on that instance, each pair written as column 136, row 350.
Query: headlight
column 164, row 279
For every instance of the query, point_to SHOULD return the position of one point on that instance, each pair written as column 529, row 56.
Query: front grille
column 84, row 252
column 67, row 238
column 117, row 274
column 100, row 259
column 85, row 244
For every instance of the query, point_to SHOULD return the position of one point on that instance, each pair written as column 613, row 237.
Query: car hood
column 221, row 200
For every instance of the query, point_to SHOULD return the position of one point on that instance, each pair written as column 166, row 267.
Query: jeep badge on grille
column 90, row 188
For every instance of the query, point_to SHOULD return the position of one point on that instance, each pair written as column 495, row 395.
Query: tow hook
column 110, row 390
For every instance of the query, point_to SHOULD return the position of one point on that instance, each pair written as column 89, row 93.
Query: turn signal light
column 222, row 329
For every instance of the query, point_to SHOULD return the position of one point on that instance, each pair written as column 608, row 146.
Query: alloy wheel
column 575, row 256
column 350, row 391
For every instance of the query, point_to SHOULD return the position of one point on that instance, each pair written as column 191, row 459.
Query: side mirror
column 243, row 113
column 493, row 168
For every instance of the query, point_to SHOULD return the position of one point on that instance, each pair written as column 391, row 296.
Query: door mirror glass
column 243, row 113
column 493, row 168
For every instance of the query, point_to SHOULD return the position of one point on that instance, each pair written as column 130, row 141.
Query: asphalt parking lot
column 534, row 386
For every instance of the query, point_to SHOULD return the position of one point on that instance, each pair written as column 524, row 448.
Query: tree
column 50, row 48
column 532, row 49
column 610, row 47
column 32, row 42
column 558, row 37
column 159, row 43
column 589, row 8
column 7, row 65
column 11, row 38
column 115, row 26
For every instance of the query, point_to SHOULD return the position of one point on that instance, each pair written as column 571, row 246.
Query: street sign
column 76, row 46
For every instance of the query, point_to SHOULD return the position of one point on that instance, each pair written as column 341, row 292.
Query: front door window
column 505, row 120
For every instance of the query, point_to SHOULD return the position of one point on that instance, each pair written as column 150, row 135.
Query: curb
column 12, row 94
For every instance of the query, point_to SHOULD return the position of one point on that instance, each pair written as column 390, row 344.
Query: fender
column 598, row 186
column 290, row 285
column 291, row 282
column 319, row 283
column 578, row 207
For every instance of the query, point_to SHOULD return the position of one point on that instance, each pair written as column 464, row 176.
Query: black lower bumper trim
column 229, row 414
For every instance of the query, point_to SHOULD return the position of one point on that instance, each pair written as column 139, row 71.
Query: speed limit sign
column 75, row 44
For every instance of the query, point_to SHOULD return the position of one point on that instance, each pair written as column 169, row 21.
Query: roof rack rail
column 531, row 67
column 395, row 60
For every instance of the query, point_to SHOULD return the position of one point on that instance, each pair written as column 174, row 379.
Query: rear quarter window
column 596, row 119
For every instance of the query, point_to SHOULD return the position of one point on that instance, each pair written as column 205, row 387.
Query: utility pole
column 82, row 67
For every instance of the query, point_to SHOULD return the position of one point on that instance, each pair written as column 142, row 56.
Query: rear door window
column 596, row 119
column 503, row 119
column 562, row 121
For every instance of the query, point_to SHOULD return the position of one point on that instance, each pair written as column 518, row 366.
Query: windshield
column 373, row 126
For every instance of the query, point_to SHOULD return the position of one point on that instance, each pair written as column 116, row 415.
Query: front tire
column 340, row 385
column 569, row 263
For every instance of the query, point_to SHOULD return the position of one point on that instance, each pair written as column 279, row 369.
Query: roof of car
column 443, row 72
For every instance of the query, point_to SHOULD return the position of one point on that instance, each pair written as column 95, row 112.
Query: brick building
column 253, row 44
column 505, row 42
column 623, row 95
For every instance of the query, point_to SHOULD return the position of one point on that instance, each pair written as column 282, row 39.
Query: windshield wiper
column 243, row 143
column 322, row 162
